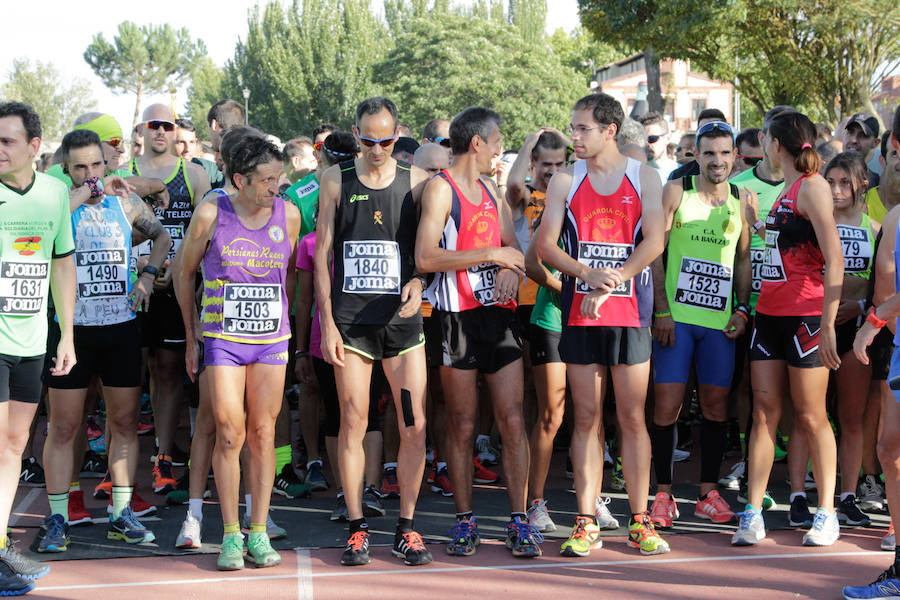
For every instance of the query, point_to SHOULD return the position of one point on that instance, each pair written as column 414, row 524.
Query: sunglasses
column 652, row 139
column 384, row 143
column 318, row 146
column 443, row 141
column 155, row 125
column 714, row 126
column 114, row 142
column 750, row 161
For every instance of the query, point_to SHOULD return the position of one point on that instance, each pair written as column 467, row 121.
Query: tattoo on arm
column 146, row 224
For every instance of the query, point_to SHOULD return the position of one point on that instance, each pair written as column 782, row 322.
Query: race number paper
column 101, row 273
column 703, row 284
column 857, row 248
column 603, row 255
column 23, row 286
column 372, row 267
column 772, row 268
column 251, row 309
column 483, row 278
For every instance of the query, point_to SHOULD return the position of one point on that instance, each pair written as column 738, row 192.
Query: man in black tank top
column 366, row 230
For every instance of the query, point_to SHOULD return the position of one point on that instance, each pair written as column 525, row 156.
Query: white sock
column 391, row 465
column 195, row 508
column 845, row 494
column 795, row 494
column 248, row 500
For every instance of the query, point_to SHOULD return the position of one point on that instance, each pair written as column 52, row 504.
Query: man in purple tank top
column 246, row 243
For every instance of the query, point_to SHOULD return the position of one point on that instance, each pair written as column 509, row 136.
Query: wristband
column 874, row 320
column 95, row 185
column 662, row 313
column 299, row 353
column 150, row 269
column 742, row 314
column 757, row 226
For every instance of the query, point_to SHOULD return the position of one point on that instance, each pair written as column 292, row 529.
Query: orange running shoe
column 163, row 476
column 664, row 510
column 104, row 488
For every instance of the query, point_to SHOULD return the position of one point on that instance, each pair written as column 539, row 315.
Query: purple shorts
column 223, row 353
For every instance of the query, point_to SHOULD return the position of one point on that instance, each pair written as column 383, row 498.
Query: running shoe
column 607, row 459
column 98, row 445
column 799, row 515
column 871, row 494
column 94, row 431
column 78, row 513
column 714, row 508
column 886, row 586
column 825, row 530
column 53, row 535
column 642, row 534
column 539, row 517
column 178, row 458
column 182, row 492
column 231, row 557
column 11, row 584
column 163, row 476
column 390, row 486
column 103, row 490
column 605, row 520
column 32, row 474
column 617, row 479
column 431, row 472
column 487, row 454
column 464, row 538
column 482, row 474
column 751, row 529
column 357, row 550
column 584, row 538
column 522, row 539
column 20, row 564
column 315, row 477
column 139, row 506
column 411, row 548
column 889, row 542
column 371, row 503
column 441, row 484
column 732, row 481
column 94, row 466
column 274, row 531
column 340, row 510
column 260, row 551
column 679, row 455
column 189, row 536
column 767, row 503
column 664, row 510
column 849, row 513
column 128, row 529
column 146, row 407
column 289, row 485
column 144, row 428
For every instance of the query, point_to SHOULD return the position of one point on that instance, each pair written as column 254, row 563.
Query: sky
column 64, row 29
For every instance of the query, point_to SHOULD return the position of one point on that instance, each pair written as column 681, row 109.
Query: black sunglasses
column 155, row 125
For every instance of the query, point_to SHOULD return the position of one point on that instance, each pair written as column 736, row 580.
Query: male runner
column 466, row 238
column 607, row 209
column 437, row 131
column 35, row 250
column 369, row 311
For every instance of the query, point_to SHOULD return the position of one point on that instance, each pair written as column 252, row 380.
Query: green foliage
column 205, row 90
column 529, row 17
column 580, row 49
column 55, row 100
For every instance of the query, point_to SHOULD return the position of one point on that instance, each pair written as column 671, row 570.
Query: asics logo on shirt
column 358, row 198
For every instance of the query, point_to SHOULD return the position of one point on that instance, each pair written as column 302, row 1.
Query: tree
column 530, row 18
column 147, row 59
column 205, row 90
column 581, row 51
column 56, row 101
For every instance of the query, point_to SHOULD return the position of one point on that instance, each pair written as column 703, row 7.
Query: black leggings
column 328, row 391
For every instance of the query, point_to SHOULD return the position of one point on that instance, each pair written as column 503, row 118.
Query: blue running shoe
column 522, row 539
column 464, row 538
column 54, row 534
column 11, row 584
column 886, row 586
column 129, row 529
column 21, row 565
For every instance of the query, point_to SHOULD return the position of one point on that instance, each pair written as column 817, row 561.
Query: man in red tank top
column 466, row 238
column 607, row 210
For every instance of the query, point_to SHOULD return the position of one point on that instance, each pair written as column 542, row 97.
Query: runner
column 369, row 311
column 708, row 262
column 793, row 340
column 467, row 239
column 606, row 208
column 35, row 253
column 107, row 337
column 244, row 242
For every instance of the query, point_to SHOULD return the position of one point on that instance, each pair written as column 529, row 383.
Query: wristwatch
column 874, row 320
column 150, row 269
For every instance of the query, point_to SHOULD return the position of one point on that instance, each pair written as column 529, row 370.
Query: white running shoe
column 680, row 455
column 539, row 517
column 189, row 536
column 825, row 530
column 751, row 529
column 871, row 494
column 605, row 520
column 732, row 481
column 487, row 454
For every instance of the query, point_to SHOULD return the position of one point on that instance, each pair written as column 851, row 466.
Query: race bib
column 101, row 273
column 757, row 257
column 703, row 284
column 176, row 232
column 482, row 279
column 600, row 255
column 772, row 268
column 251, row 309
column 372, row 267
column 857, row 248
column 23, row 286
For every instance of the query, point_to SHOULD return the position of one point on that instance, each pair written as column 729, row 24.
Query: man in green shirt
column 35, row 254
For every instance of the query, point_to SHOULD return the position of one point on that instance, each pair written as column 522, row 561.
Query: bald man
column 431, row 158
column 162, row 327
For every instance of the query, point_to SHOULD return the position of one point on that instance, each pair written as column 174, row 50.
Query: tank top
column 374, row 248
column 525, row 226
column 897, row 278
column 177, row 216
column 858, row 246
column 244, row 273
column 602, row 231
column 102, row 235
column 700, row 258
column 792, row 281
column 469, row 226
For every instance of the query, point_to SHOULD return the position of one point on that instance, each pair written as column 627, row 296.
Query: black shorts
column 880, row 353
column 162, row 326
column 431, row 327
column 792, row 339
column 485, row 338
column 382, row 341
column 111, row 352
column 328, row 392
column 845, row 334
column 543, row 347
column 741, row 349
column 608, row 346
column 523, row 312
column 20, row 378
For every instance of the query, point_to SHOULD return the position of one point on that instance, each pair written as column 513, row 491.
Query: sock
column 441, row 465
column 3, row 541
column 121, row 498
column 59, row 505
column 195, row 508
column 662, row 444
column 712, row 448
column 248, row 500
column 358, row 525
column 518, row 515
column 75, row 486
column 404, row 525
column 845, row 495
column 390, row 465
column 796, row 494
column 282, row 457
column 464, row 515
column 257, row 528
column 750, row 508
column 232, row 529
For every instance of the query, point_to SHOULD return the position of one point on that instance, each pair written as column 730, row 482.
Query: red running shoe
column 144, row 428
column 78, row 514
column 483, row 474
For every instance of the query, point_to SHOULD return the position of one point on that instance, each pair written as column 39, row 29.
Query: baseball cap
column 406, row 144
column 867, row 122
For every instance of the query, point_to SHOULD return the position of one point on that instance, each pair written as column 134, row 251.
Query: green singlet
column 546, row 313
column 305, row 196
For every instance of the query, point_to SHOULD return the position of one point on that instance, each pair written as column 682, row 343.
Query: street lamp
column 246, row 92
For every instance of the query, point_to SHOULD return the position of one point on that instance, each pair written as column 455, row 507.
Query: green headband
column 104, row 126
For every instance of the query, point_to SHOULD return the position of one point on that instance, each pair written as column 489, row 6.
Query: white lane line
column 304, row 575
column 646, row 562
column 23, row 506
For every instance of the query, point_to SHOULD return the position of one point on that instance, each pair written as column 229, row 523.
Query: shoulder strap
column 735, row 192
column 687, row 182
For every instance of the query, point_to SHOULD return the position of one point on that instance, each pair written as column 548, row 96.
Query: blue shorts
column 895, row 370
column 224, row 353
column 711, row 352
